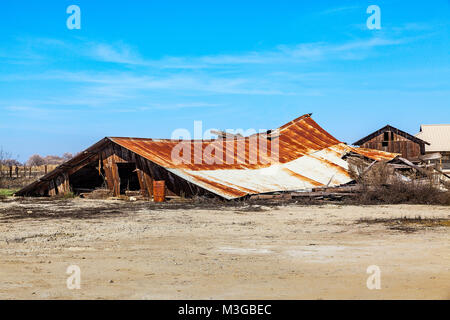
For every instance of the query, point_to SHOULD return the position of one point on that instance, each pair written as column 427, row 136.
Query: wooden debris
column 97, row 194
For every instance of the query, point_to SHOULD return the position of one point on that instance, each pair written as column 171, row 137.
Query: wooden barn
column 390, row 139
column 299, row 155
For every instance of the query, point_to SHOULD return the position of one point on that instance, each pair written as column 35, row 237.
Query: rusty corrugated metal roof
column 308, row 157
column 377, row 155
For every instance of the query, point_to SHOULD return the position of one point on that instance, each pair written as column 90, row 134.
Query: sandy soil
column 142, row 251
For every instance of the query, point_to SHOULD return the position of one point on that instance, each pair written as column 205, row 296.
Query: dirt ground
column 145, row 251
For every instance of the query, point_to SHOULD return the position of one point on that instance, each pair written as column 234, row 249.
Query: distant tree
column 7, row 159
column 36, row 160
column 53, row 159
column 11, row 162
column 67, row 156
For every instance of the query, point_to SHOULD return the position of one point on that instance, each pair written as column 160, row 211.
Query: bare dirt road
column 143, row 251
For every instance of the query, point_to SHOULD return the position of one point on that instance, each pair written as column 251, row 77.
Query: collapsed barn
column 298, row 156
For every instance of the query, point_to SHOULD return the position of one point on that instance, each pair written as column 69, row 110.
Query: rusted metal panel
column 374, row 154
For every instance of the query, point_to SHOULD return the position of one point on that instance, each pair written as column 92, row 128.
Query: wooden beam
column 142, row 184
column 146, row 171
column 60, row 184
column 111, row 171
column 92, row 158
column 115, row 171
column 441, row 172
column 412, row 165
column 51, row 188
column 66, row 183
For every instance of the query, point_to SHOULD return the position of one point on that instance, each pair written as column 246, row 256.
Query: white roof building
column 438, row 135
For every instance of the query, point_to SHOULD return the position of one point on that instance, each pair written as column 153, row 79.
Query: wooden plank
column 83, row 164
column 51, row 188
column 441, row 172
column 140, row 173
column 412, row 165
column 147, row 177
column 323, row 194
column 142, row 184
column 115, row 174
column 66, row 183
column 108, row 172
column 284, row 196
column 111, row 170
column 60, row 185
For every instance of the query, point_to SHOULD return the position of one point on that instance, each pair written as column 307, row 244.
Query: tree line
column 7, row 159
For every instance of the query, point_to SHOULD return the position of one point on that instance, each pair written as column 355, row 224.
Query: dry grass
column 407, row 224
column 15, row 183
column 405, row 193
column 381, row 184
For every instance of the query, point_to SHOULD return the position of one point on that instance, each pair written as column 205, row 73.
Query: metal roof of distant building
column 438, row 135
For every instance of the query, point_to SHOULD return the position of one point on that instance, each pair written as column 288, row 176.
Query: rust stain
column 375, row 154
column 301, row 177
column 221, row 187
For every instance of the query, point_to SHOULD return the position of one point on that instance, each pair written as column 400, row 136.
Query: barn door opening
column 87, row 179
column 128, row 177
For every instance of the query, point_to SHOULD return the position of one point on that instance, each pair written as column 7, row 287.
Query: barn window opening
column 129, row 180
column 386, row 136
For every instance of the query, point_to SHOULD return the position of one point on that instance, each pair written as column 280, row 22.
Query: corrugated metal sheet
column 308, row 157
column 438, row 135
column 377, row 155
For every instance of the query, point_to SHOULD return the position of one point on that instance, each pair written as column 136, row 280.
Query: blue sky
column 146, row 68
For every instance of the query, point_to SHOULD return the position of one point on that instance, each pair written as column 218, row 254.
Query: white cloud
column 124, row 54
column 119, row 53
column 339, row 9
column 263, row 73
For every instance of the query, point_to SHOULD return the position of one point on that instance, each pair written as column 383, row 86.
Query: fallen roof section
column 307, row 157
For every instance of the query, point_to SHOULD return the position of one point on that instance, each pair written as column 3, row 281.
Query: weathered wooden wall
column 399, row 144
column 105, row 157
column 147, row 172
